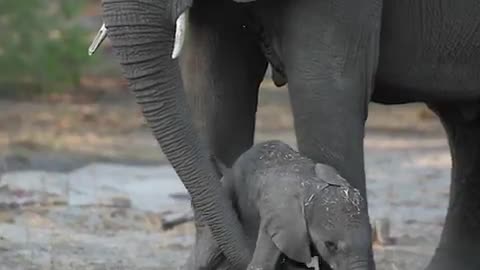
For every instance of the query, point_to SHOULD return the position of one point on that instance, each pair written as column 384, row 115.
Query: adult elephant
column 333, row 54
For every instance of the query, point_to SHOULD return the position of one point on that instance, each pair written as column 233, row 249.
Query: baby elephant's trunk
column 358, row 265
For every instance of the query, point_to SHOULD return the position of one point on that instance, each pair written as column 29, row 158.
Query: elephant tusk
column 179, row 34
column 314, row 263
column 97, row 41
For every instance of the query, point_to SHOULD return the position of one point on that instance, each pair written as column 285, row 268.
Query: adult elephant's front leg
column 459, row 246
column 331, row 56
column 222, row 68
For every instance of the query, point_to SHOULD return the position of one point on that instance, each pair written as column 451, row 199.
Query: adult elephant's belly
column 429, row 51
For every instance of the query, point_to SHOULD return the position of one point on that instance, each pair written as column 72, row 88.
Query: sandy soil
column 63, row 132
column 407, row 169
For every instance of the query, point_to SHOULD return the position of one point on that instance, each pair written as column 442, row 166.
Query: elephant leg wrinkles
column 222, row 68
column 330, row 70
column 459, row 247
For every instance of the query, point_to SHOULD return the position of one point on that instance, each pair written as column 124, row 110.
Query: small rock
column 6, row 217
column 121, row 202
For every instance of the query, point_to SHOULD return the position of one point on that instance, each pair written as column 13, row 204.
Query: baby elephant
column 291, row 209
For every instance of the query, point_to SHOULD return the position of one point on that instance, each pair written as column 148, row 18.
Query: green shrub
column 41, row 48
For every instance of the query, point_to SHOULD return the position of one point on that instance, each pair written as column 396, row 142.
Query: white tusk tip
column 179, row 35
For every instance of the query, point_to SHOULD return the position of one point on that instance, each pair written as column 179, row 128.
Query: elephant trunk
column 141, row 34
column 358, row 263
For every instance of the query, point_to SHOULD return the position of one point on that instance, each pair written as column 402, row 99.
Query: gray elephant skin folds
column 203, row 61
column 291, row 209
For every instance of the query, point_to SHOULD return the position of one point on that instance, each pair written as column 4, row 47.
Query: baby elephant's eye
column 331, row 246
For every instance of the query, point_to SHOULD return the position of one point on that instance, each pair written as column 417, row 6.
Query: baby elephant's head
column 337, row 221
column 324, row 216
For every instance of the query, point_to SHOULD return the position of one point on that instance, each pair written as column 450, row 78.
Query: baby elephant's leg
column 266, row 254
column 205, row 253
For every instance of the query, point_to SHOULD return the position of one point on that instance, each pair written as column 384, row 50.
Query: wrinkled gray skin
column 290, row 205
column 206, row 254
column 336, row 56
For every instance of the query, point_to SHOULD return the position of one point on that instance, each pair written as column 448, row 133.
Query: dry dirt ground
column 407, row 164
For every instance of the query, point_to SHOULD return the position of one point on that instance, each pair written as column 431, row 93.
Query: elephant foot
column 453, row 259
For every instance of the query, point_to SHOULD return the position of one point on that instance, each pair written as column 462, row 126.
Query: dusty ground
column 105, row 125
column 407, row 169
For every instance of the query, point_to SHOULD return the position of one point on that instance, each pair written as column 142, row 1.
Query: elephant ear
column 329, row 175
column 219, row 166
column 178, row 7
column 227, row 176
column 284, row 221
column 225, row 172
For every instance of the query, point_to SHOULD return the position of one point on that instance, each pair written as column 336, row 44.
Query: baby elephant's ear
column 221, row 168
column 287, row 227
column 226, row 173
column 329, row 175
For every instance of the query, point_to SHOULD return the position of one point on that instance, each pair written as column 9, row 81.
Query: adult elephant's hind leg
column 459, row 246
column 222, row 67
